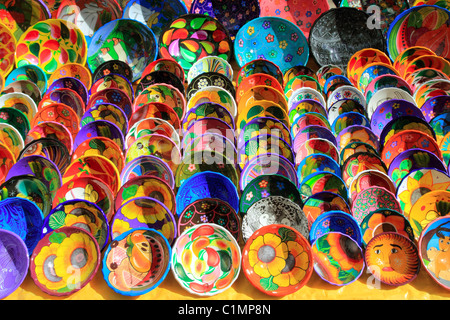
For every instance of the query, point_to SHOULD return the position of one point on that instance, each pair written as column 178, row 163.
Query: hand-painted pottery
column 208, row 79
column 24, row 86
column 206, row 184
column 127, row 40
column 65, row 96
column 267, row 164
column 89, row 15
column 201, row 248
column 72, row 84
column 429, row 89
column 112, row 96
column 19, row 101
column 386, row 94
column 116, row 81
column 101, row 146
column 338, row 259
column 362, row 58
column 213, row 142
column 167, row 65
column 300, row 107
column 159, row 77
column 39, row 167
column 386, row 81
column 338, row 26
column 51, row 43
column 82, row 214
column 29, row 187
column 29, row 72
column 93, row 166
column 8, row 48
column 395, row 267
column 418, row 77
column 308, row 119
column 391, row 110
column 301, row 82
column 260, row 66
column 273, row 38
column 61, row 113
column 297, row 71
column 334, row 82
column 435, row 106
column 136, row 271
column 327, row 71
column 445, row 149
column 335, row 221
column 209, row 64
column 16, row 119
column 151, row 126
column 14, row 264
column 343, row 106
column 11, row 137
column 155, row 110
column 400, row 38
column 73, row 70
column 213, row 94
column 305, row 94
column 51, row 130
column 268, row 185
column 373, row 71
column 359, row 162
column 315, row 163
column 311, row 132
column 112, row 67
column 91, row 189
column 24, row 218
column 147, row 165
column 207, row 125
column 207, row 110
column 428, row 61
column 99, row 128
column 106, row 111
column 385, row 220
column 274, row 210
column 201, row 161
column 357, row 133
column 316, row 146
column 262, row 108
column 74, row 249
column 440, row 125
column 256, row 79
column 191, row 37
column 322, row 202
column 263, row 125
column 369, row 178
column 144, row 212
column 323, row 181
column 371, row 199
column 263, row 259
column 348, row 119
column 263, row 144
column 210, row 211
column 346, row 92
column 432, row 250
column 356, row 147
column 406, row 140
column 259, row 93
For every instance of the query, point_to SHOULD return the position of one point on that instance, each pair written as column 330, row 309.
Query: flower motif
column 249, row 196
column 241, row 43
column 250, row 30
column 282, row 27
column 265, row 194
column 266, row 24
column 188, row 214
column 269, row 38
column 204, row 218
column 273, row 54
column 191, row 167
column 288, row 58
column 308, row 14
column 278, row 12
column 300, row 51
column 294, row 36
column 219, row 83
column 283, row 44
column 263, row 183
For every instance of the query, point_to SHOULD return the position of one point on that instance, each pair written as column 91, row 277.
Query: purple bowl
column 435, row 106
column 73, row 84
column 99, row 128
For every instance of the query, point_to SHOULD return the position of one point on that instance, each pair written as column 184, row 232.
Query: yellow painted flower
column 297, row 264
column 90, row 194
column 149, row 213
column 119, row 227
column 43, row 261
column 250, row 30
column 430, row 216
column 267, row 255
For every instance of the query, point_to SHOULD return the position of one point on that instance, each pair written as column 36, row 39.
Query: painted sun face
column 392, row 258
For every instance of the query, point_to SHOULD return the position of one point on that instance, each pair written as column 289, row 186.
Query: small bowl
column 31, row 73
column 115, row 81
column 406, row 123
column 385, row 94
column 262, row 108
column 357, row 133
column 99, row 128
column 371, row 72
column 27, row 87
column 404, row 58
column 386, row 81
column 306, row 94
column 207, row 125
column 359, row 162
column 58, row 112
column 322, row 202
column 150, row 126
column 66, row 96
column 213, row 142
column 208, row 79
column 155, row 110
column 148, row 261
column 420, row 76
column 346, row 92
column 106, row 111
column 19, row 101
column 8, row 47
column 260, row 66
column 299, row 82
column 164, row 64
column 70, row 83
column 364, row 57
column 305, row 106
column 223, row 255
column 78, row 248
column 207, row 110
column 338, row 259
column 323, row 181
column 315, row 163
column 297, row 71
column 210, row 64
column 348, row 119
column 328, row 71
column 51, row 130
column 343, row 106
column 308, row 119
column 335, row 221
column 112, row 96
column 428, row 61
column 14, row 262
column 355, row 147
column 435, row 106
column 74, row 70
column 259, row 256
column 11, row 138
column 112, row 67
column 263, row 125
column 160, row 77
column 256, row 79
column 316, row 146
column 369, row 178
column 312, row 132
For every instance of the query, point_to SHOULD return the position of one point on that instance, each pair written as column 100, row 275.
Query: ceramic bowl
column 99, row 128
column 386, row 81
column 404, row 58
column 369, row 178
column 361, row 58
column 213, row 142
column 155, row 110
column 27, row 87
column 19, row 101
column 159, row 77
column 213, row 94
column 260, row 66
column 430, row 89
column 207, row 79
column 256, row 79
column 106, row 111
column 305, row 106
column 322, row 202
column 308, row 119
column 427, row 61
column 151, row 126
column 357, row 133
column 312, row 132
column 112, row 96
column 31, row 73
column 335, row 221
column 418, row 77
column 73, row 70
column 167, row 65
column 327, row 71
column 114, row 80
column 51, row 130
column 373, row 71
column 348, row 119
column 61, row 113
column 323, row 181
column 305, row 93
column 210, row 64
column 207, row 125
column 346, row 92
column 258, row 109
column 112, row 67
column 315, row 163
column 8, row 48
column 72, row 83
column 435, row 106
column 386, row 94
column 66, row 96
column 207, row 110
column 359, row 162
column 316, row 146
column 263, row 125
column 343, row 106
column 297, row 71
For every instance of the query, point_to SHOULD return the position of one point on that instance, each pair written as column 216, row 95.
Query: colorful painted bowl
column 379, row 257
column 28, row 72
column 343, row 106
column 51, row 43
column 334, row 82
column 428, row 61
column 99, row 128
column 327, row 71
column 315, row 163
column 73, row 70
column 262, row 93
column 210, row 246
column 114, row 80
column 82, row 214
column 27, row 87
column 147, row 165
column 312, row 132
column 207, row 125
column 112, row 96
column 70, row 83
column 155, row 110
column 206, row 184
column 66, row 96
column 8, row 49
column 15, row 261
column 359, row 162
column 338, row 259
column 8, row 162
column 167, row 65
column 144, row 212
column 263, row 125
column 61, row 113
column 308, row 119
column 316, row 146
column 77, row 248
column 373, row 71
column 213, row 142
column 322, row 202
column 432, row 251
column 305, row 94
column 19, row 101
column 262, row 108
column 386, row 81
column 404, row 58
column 207, row 110
column 210, row 64
column 256, row 79
column 348, row 119
column 208, row 79
column 355, row 147
column 191, row 37
column 148, row 261
column 362, row 58
column 369, row 178
column 150, row 126
column 273, row 38
column 262, row 252
column 112, row 67
column 297, row 71
column 301, row 82
column 274, row 210
column 308, row 105
column 213, row 94
column 106, row 111
column 346, row 92
column 430, row 89
column 127, row 40
column 416, row 78
column 24, row 218
column 323, row 181
column 210, row 211
column 386, row 94
column 357, row 133
column 11, row 138
column 435, row 106
column 51, row 130
column 371, row 199
column 335, row 221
